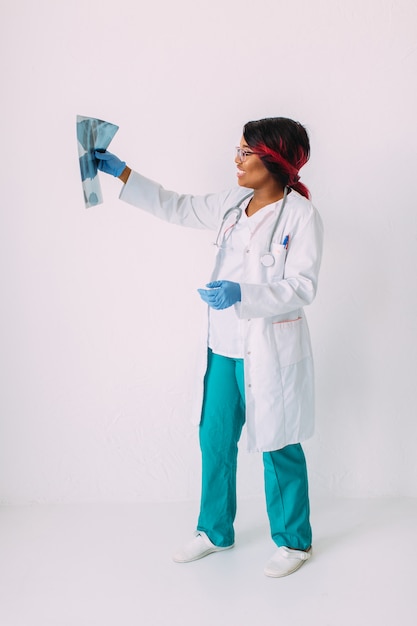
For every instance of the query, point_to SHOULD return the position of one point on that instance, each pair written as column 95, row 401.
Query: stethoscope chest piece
column 267, row 259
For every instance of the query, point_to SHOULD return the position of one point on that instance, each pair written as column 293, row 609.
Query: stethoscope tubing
column 267, row 258
column 229, row 212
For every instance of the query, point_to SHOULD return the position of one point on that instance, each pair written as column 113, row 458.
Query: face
column 251, row 172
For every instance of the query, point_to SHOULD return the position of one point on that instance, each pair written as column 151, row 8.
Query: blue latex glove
column 109, row 163
column 221, row 294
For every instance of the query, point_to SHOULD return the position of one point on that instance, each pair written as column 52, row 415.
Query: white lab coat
column 278, row 364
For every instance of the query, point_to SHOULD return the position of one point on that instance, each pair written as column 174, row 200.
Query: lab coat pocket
column 279, row 252
column 291, row 341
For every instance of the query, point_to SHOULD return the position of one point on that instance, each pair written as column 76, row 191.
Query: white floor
column 110, row 565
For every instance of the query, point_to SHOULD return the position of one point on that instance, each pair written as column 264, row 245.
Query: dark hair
column 283, row 146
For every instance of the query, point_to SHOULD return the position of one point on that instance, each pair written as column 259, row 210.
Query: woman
column 258, row 368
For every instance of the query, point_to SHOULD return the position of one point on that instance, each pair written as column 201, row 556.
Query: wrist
column 125, row 174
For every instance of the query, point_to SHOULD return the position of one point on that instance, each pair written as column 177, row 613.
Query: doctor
column 258, row 367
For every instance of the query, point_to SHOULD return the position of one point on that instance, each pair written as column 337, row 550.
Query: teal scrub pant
column 285, row 472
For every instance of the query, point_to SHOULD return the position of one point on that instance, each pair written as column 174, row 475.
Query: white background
column 99, row 311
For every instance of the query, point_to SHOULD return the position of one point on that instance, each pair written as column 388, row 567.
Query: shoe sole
column 274, row 574
column 202, row 555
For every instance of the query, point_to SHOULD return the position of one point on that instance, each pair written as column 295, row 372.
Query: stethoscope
column 267, row 259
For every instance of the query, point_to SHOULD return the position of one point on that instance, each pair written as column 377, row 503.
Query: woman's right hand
column 109, row 163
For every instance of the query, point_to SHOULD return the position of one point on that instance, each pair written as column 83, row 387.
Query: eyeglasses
column 242, row 154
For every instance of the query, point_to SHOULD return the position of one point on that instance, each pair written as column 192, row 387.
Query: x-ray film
column 92, row 134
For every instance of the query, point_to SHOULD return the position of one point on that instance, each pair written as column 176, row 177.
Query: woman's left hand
column 221, row 294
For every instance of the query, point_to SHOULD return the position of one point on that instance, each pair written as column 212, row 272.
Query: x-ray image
column 92, row 134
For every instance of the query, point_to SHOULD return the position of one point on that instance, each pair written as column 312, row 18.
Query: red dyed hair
column 283, row 146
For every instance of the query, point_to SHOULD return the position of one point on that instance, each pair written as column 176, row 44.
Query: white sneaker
column 197, row 548
column 285, row 561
